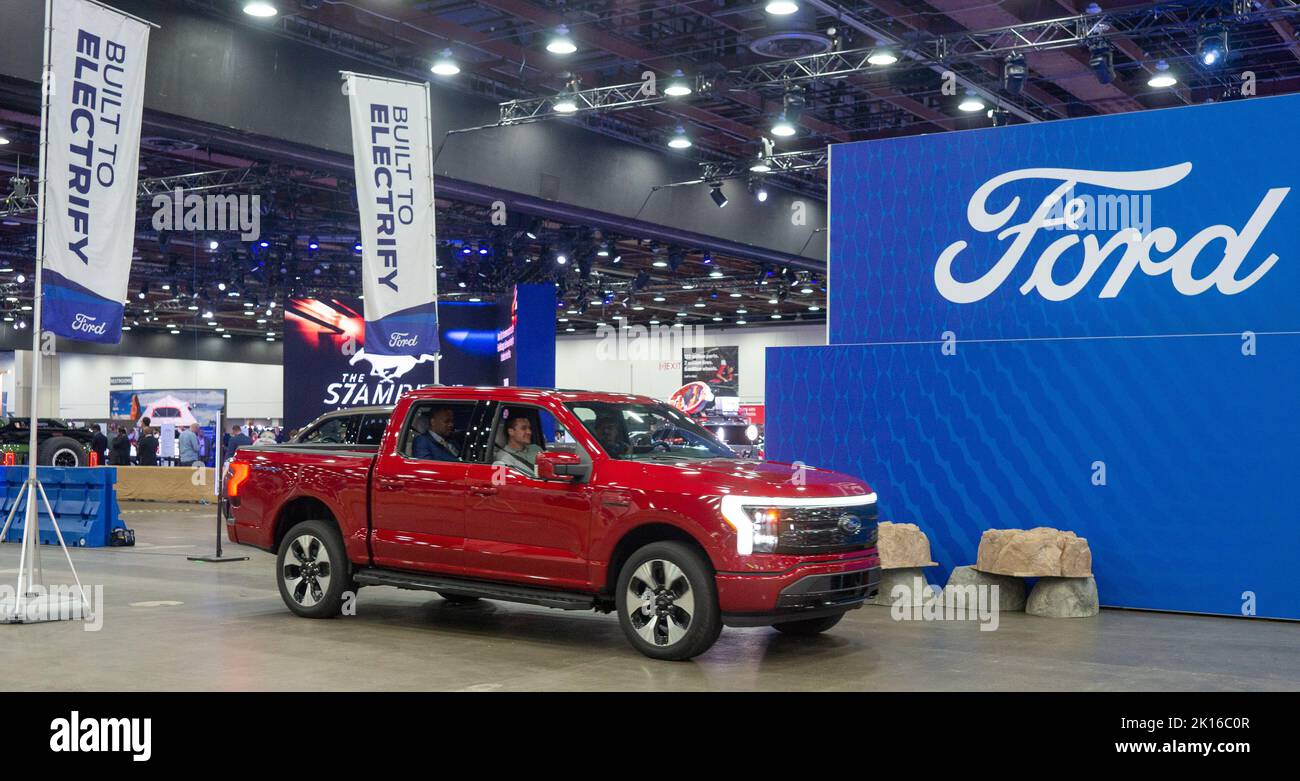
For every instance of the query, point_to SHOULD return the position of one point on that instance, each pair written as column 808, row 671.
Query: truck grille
column 809, row 530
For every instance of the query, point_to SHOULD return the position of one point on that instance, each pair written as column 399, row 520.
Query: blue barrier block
column 84, row 500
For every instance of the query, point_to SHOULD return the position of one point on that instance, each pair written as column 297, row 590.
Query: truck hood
column 743, row 477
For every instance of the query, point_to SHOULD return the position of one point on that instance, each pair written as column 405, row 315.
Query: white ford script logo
column 1133, row 247
column 89, row 325
column 402, row 339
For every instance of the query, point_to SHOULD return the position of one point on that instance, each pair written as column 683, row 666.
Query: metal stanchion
column 218, row 558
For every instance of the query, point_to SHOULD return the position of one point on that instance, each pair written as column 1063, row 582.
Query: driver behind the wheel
column 610, row 436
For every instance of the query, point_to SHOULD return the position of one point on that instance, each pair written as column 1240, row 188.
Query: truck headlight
column 757, row 519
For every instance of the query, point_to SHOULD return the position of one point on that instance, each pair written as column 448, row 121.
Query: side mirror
column 558, row 465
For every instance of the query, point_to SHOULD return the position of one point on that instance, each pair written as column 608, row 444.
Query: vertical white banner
column 95, row 98
column 394, row 172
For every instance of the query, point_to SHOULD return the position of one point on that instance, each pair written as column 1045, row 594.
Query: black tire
column 458, row 599
column 692, row 576
column 318, row 593
column 808, row 626
column 61, row 451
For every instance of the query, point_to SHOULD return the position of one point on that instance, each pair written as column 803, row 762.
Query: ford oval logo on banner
column 1088, row 324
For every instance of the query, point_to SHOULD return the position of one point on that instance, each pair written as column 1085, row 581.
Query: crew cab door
column 524, row 529
column 418, row 503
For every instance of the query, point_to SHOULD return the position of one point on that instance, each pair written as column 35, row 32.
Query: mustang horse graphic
column 389, row 367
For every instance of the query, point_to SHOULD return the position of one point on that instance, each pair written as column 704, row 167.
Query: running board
column 563, row 600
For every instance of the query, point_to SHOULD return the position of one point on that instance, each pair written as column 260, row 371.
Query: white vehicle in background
column 169, row 409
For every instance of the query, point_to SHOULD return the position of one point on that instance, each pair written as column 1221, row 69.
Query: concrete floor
column 230, row 631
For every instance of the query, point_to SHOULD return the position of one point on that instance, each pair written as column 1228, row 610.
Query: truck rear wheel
column 809, row 626
column 667, row 601
column 313, row 569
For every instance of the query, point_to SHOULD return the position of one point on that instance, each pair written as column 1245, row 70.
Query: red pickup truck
column 572, row 500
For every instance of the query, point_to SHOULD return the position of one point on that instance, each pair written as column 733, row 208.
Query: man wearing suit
column 431, row 433
column 99, row 444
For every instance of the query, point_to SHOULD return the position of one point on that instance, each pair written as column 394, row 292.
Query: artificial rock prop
column 1011, row 590
column 915, row 590
column 902, row 545
column 1063, row 598
column 1040, row 552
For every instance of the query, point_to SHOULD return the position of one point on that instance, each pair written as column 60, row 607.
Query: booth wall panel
column 1197, row 439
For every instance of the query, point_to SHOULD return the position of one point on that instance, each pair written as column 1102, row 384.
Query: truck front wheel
column 313, row 569
column 668, row 601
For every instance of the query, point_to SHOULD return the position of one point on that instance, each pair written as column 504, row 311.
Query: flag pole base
column 216, row 559
column 41, row 608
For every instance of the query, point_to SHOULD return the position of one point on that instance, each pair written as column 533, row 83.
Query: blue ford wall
column 993, row 366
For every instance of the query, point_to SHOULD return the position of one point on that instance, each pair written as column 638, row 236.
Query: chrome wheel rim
column 660, row 602
column 307, row 570
column 63, row 457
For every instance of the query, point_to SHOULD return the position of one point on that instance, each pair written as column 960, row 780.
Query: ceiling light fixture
column 561, row 42
column 261, row 9
column 445, row 65
column 781, row 7
column 1163, row 77
column 971, row 102
column 882, row 57
column 680, row 140
column 678, row 86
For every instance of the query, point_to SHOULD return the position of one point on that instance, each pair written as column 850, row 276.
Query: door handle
column 483, row 490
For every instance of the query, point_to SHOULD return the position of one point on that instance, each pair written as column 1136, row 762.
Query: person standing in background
column 147, row 448
column 236, row 441
column 121, row 449
column 99, row 444
column 189, row 445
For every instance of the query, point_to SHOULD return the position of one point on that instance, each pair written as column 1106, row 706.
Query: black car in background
column 57, row 442
column 350, row 426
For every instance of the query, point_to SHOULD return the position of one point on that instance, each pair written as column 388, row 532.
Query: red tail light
column 235, row 477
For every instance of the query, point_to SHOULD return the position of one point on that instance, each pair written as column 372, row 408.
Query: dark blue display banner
column 1158, row 222
column 1088, row 324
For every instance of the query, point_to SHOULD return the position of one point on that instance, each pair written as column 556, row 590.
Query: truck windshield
column 647, row 431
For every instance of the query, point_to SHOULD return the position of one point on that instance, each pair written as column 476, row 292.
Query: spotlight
column 678, row 86
column 1014, row 73
column 561, row 259
column 213, row 245
column 260, row 9
column 445, row 65
column 971, row 102
column 1101, row 58
column 357, row 248
column 716, row 194
column 1163, row 77
column 3, row 141
column 783, row 127
column 760, row 164
column 680, row 140
column 781, row 7
column 560, row 42
column 756, row 187
column 1212, row 46
column 313, row 244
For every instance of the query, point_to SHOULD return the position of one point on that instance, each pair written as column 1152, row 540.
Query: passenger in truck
column 515, row 446
column 427, row 443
